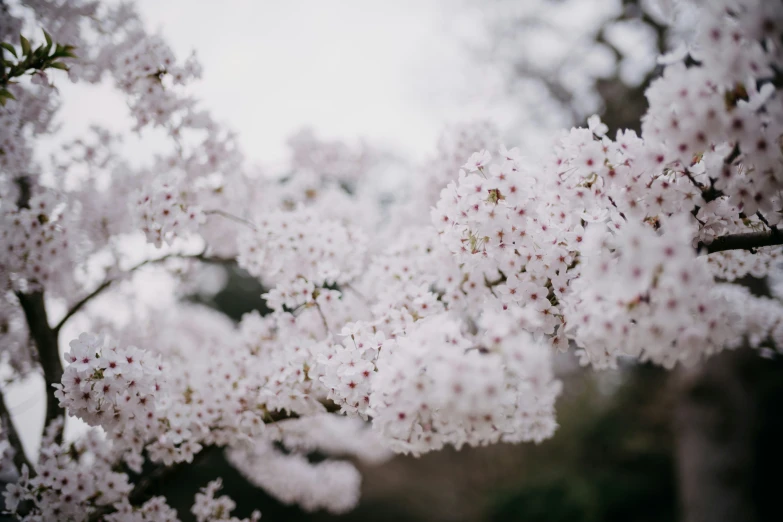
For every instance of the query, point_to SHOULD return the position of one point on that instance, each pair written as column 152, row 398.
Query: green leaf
column 25, row 45
column 48, row 39
column 6, row 95
column 10, row 48
column 61, row 51
column 59, row 65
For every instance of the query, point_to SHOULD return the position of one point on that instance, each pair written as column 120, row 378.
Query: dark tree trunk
column 728, row 428
column 714, row 422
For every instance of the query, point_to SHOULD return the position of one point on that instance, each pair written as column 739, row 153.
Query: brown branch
column 323, row 318
column 106, row 284
column 25, row 191
column 78, row 306
column 745, row 241
column 733, row 155
column 708, row 193
column 45, row 339
column 764, row 220
column 693, row 180
column 141, row 490
column 358, row 294
column 232, row 217
column 20, row 458
column 496, row 282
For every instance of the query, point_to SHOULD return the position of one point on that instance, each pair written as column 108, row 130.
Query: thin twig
column 764, row 220
column 733, row 155
column 323, row 317
column 141, row 490
column 358, row 294
column 616, row 207
column 83, row 301
column 496, row 282
column 230, row 216
column 106, row 284
column 707, row 193
column 693, row 180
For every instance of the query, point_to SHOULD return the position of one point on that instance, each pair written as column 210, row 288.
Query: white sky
column 394, row 73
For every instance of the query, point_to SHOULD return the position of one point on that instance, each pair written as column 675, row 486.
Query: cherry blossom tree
column 405, row 327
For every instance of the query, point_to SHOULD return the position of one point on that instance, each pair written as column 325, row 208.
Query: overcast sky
column 394, row 73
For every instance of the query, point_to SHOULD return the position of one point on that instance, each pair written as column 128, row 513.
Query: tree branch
column 141, row 490
column 20, row 458
column 106, row 284
column 45, row 339
column 83, row 301
column 232, row 217
column 323, row 318
column 746, row 241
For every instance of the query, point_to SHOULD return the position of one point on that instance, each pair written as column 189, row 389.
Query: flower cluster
column 284, row 368
column 293, row 480
column 703, row 168
column 278, row 463
column 70, row 481
column 298, row 252
column 454, row 147
column 35, row 241
column 164, row 215
column 645, row 295
column 348, row 369
column 209, row 508
column 78, row 483
column 211, row 388
column 436, row 385
column 333, row 161
column 141, row 72
column 153, row 510
column 510, row 236
column 109, row 386
column 761, row 320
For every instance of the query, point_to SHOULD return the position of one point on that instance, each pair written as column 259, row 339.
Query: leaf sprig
column 48, row 55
